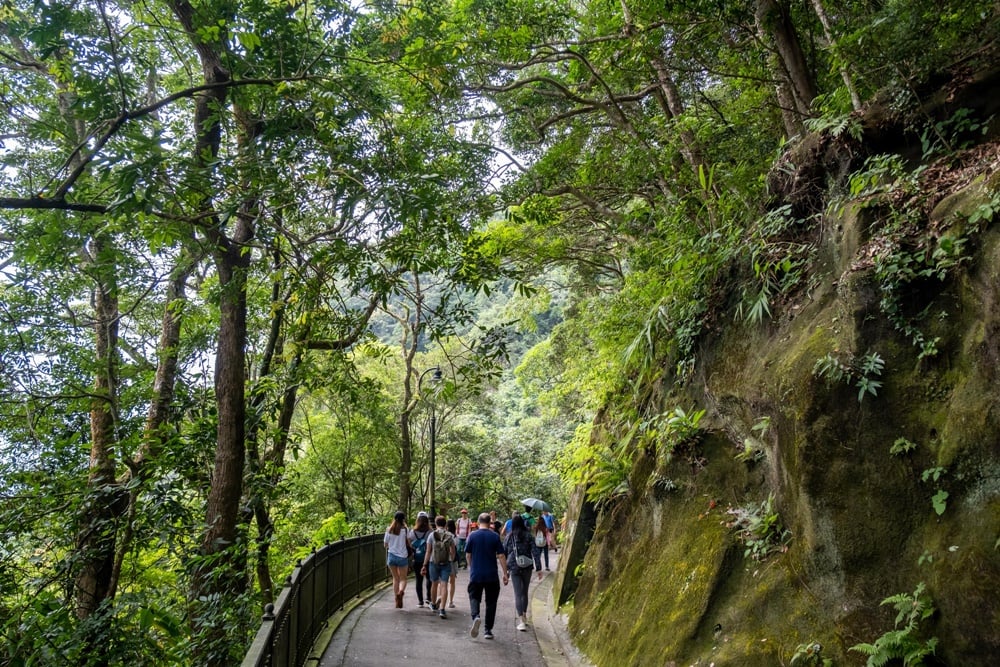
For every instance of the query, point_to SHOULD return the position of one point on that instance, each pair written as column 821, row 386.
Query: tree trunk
column 213, row 579
column 96, row 539
column 158, row 415
column 796, row 85
column 222, row 510
column 275, row 461
column 674, row 106
column 405, row 459
column 412, row 325
column 844, row 73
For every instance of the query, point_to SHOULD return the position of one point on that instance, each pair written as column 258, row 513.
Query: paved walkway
column 377, row 634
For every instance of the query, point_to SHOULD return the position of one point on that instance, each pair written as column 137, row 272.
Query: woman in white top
column 396, row 544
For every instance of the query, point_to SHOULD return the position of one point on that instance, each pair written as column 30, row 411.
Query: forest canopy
column 237, row 237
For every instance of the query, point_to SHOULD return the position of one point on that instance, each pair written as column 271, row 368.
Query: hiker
column 462, row 528
column 522, row 559
column 437, row 564
column 529, row 521
column 418, row 541
column 397, row 557
column 482, row 551
column 453, row 579
column 550, row 525
column 540, row 535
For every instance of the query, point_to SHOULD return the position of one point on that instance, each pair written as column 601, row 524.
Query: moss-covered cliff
column 879, row 489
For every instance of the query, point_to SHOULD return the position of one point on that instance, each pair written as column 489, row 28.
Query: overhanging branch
column 47, row 203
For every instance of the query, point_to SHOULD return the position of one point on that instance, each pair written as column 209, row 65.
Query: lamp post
column 436, row 378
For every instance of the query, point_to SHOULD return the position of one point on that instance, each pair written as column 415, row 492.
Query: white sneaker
column 474, row 630
column 521, row 626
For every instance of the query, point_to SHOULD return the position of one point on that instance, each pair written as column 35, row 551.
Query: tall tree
column 215, row 162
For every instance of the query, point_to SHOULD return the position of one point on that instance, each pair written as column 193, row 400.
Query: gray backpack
column 442, row 547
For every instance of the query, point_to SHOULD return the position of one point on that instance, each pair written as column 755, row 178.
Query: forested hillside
column 722, row 273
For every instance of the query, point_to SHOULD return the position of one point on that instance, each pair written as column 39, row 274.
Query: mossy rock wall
column 665, row 581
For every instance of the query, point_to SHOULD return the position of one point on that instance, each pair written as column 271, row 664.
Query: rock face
column 849, row 489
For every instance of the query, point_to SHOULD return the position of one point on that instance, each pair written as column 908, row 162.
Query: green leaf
column 938, row 500
column 249, row 40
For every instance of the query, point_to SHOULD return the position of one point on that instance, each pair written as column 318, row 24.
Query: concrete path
column 377, row 634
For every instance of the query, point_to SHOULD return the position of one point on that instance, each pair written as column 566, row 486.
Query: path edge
column 551, row 630
column 330, row 626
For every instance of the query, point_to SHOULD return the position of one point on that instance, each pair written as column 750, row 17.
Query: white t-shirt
column 396, row 544
column 462, row 528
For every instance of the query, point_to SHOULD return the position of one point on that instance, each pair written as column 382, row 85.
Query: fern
column 608, row 478
column 901, row 642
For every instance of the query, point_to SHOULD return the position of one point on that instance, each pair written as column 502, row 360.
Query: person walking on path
column 398, row 557
column 418, row 541
column 437, row 564
column 482, row 552
column 550, row 525
column 453, row 579
column 523, row 558
column 540, row 535
column 462, row 527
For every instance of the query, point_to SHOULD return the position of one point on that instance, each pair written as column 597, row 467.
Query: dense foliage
column 238, row 236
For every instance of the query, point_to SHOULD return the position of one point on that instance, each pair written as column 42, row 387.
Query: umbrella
column 536, row 504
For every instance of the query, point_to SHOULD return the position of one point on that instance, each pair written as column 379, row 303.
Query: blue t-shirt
column 550, row 522
column 482, row 547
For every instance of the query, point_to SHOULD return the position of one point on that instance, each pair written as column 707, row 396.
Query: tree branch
column 352, row 337
column 46, row 203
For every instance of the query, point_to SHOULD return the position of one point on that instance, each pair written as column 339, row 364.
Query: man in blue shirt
column 483, row 550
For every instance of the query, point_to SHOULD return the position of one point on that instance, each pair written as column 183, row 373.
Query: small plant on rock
column 753, row 447
column 940, row 499
column 809, row 655
column 860, row 373
column 902, row 446
column 760, row 530
column 683, row 427
column 608, row 479
column 903, row 643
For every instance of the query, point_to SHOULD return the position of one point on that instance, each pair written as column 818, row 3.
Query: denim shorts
column 437, row 572
column 397, row 561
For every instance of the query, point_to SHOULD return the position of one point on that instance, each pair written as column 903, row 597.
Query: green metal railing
column 319, row 586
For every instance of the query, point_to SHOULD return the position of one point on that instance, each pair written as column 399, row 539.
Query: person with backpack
column 522, row 559
column 541, row 536
column 418, row 541
column 437, row 564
